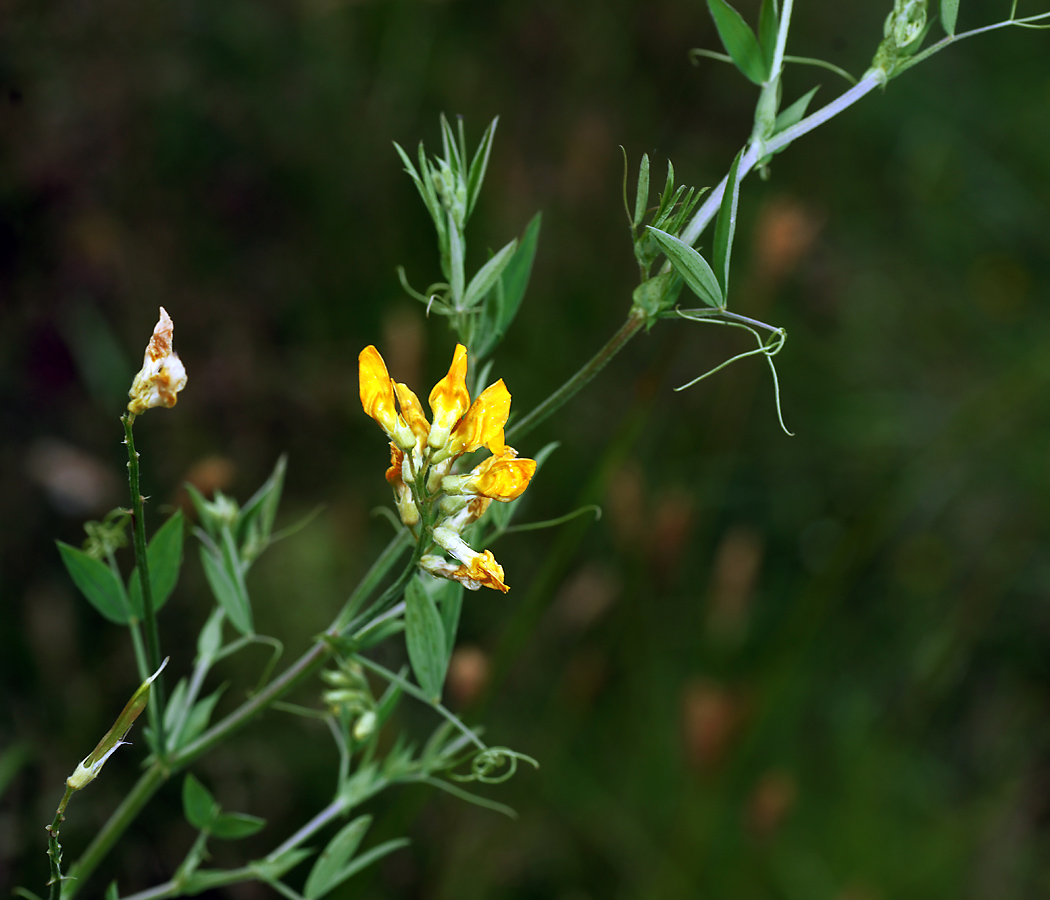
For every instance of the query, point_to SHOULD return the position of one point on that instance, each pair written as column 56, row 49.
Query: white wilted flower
column 162, row 375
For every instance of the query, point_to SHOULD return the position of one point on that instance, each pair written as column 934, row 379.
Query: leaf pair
column 105, row 590
column 203, row 812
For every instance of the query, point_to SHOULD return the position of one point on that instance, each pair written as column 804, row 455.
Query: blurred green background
column 810, row 667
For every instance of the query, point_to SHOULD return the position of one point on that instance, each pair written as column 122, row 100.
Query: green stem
column 161, row 770
column 120, row 819
column 336, row 808
column 142, row 561
column 54, row 848
column 578, row 381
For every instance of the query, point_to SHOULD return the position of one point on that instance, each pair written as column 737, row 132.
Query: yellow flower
column 434, row 502
column 162, row 374
column 500, row 477
column 449, row 399
column 377, row 397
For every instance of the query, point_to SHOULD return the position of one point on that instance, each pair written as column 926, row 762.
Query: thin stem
column 573, row 386
column 160, row 771
column 114, row 827
column 334, row 809
column 703, row 216
column 782, row 35
column 142, row 561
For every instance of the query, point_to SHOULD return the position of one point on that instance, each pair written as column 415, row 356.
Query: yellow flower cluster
column 430, row 497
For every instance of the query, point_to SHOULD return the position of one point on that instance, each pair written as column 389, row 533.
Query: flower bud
column 92, row 764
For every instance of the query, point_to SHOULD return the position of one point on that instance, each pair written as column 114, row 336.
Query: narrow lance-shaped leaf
column 450, row 147
column 949, row 15
column 479, row 164
column 694, row 269
column 768, row 25
column 261, row 509
column 324, row 876
column 739, row 40
column 450, row 602
column 488, row 275
column 425, row 637
column 725, row 227
column 233, row 602
column 515, row 277
column 641, row 197
column 97, row 582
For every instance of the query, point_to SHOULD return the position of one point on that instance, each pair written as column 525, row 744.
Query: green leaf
column 739, row 40
column 794, row 113
column 425, row 637
column 450, row 147
column 488, row 275
column 233, row 601
column 112, row 892
column 164, row 555
column 233, row 826
column 98, row 582
column 209, row 643
column 949, row 14
column 479, row 164
column 377, row 633
column 258, row 514
column 198, row 805
column 175, row 703
column 768, row 25
column 366, row 859
column 198, row 718
column 725, row 228
column 449, row 602
column 326, row 871
column 515, row 277
column 693, row 268
column 641, row 198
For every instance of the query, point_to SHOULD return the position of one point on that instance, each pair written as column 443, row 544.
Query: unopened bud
column 92, row 764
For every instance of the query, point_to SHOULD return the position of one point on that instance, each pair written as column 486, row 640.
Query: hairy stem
column 141, row 560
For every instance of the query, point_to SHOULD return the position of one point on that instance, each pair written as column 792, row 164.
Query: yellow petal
column 483, row 424
column 503, row 479
column 486, row 571
column 412, row 410
column 449, row 399
column 393, row 474
column 377, row 397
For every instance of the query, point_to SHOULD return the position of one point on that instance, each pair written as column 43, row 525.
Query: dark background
column 809, row 667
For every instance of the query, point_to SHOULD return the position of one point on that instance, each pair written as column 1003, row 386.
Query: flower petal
column 162, row 375
column 502, row 479
column 483, row 424
column 449, row 399
column 412, row 410
column 377, row 397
